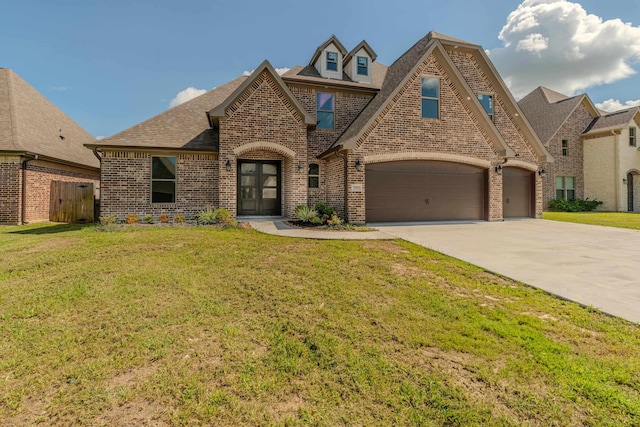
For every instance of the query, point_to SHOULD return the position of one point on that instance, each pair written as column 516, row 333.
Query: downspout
column 95, row 153
column 616, row 151
column 346, row 182
column 23, row 216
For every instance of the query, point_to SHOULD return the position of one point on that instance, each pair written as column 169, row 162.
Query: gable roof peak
column 362, row 45
column 447, row 39
column 333, row 39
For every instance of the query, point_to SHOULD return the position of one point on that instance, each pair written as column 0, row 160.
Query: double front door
column 259, row 189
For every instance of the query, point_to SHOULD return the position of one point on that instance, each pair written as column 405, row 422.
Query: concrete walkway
column 593, row 265
column 278, row 227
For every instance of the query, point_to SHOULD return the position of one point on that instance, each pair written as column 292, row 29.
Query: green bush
column 207, row 216
column 574, row 205
column 148, row 219
column 304, row 214
column 223, row 216
column 108, row 220
column 323, row 210
column 179, row 219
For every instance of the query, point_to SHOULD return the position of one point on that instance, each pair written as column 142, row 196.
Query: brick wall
column 39, row 175
column 10, row 190
column 348, row 104
column 126, row 184
column 263, row 115
column 572, row 163
column 335, row 190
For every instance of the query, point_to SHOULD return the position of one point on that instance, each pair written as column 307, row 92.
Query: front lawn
column 610, row 219
column 177, row 326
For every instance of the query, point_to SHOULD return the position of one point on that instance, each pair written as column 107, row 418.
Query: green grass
column 192, row 326
column 610, row 219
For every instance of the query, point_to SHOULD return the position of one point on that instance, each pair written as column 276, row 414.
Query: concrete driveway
column 596, row 266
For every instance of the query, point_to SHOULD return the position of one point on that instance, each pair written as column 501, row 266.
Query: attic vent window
column 363, row 66
column 332, row 61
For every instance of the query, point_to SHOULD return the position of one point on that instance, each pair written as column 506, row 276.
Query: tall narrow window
column 632, row 136
column 487, row 103
column 565, row 187
column 363, row 65
column 430, row 97
column 332, row 61
column 163, row 180
column 314, row 175
column 565, row 147
column 325, row 110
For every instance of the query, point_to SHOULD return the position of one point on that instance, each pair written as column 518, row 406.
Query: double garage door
column 438, row 191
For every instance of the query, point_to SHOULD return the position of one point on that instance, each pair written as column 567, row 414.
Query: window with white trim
column 332, row 61
column 632, row 136
column 163, row 179
column 487, row 103
column 363, row 65
column 325, row 110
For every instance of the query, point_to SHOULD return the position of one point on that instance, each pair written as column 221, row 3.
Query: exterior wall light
column 542, row 172
column 498, row 169
column 358, row 165
column 227, row 165
column 624, row 181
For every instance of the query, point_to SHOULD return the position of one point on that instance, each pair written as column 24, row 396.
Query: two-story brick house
column 596, row 152
column 39, row 144
column 434, row 136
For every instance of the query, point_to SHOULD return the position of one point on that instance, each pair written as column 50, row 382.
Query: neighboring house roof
column 30, row 123
column 333, row 39
column 548, row 110
column 220, row 110
column 403, row 69
column 309, row 75
column 185, row 126
column 612, row 121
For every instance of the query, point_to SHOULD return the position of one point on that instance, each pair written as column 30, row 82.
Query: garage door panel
column 424, row 191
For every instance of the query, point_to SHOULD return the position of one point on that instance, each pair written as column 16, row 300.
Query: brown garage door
column 517, row 193
column 424, row 191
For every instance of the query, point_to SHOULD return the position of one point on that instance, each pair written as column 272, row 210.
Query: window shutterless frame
column 565, row 147
column 430, row 97
column 363, row 65
column 163, row 179
column 325, row 110
column 314, row 175
column 632, row 136
column 332, row 61
column 486, row 100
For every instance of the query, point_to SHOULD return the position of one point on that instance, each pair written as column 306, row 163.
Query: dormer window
column 332, row 61
column 363, row 65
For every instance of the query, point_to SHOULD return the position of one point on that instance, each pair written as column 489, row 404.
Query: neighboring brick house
column 38, row 144
column 434, row 136
column 595, row 152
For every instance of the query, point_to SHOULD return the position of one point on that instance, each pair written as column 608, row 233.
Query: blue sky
column 111, row 64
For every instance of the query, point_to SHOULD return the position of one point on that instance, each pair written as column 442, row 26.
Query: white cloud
column 186, row 95
column 61, row 88
column 99, row 137
column 614, row 104
column 280, row 71
column 555, row 43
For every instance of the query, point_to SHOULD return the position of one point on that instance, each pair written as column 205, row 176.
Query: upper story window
column 325, row 110
column 363, row 65
column 632, row 136
column 332, row 61
column 163, row 180
column 565, row 147
column 487, row 103
column 430, row 97
column 314, row 175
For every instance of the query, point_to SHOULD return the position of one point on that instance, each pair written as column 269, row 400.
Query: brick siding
column 10, row 190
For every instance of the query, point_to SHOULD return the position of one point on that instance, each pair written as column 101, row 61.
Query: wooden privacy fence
column 71, row 202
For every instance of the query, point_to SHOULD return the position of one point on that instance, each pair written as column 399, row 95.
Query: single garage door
column 425, row 191
column 517, row 193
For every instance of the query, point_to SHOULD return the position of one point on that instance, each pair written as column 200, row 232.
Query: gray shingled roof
column 394, row 76
column 548, row 110
column 309, row 74
column 610, row 121
column 184, row 126
column 31, row 123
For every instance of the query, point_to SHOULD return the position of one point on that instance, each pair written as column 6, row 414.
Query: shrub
column 179, row 219
column 223, row 216
column 148, row 219
column 323, row 210
column 335, row 221
column 163, row 218
column 131, row 219
column 304, row 214
column 574, row 205
column 108, row 220
column 207, row 216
